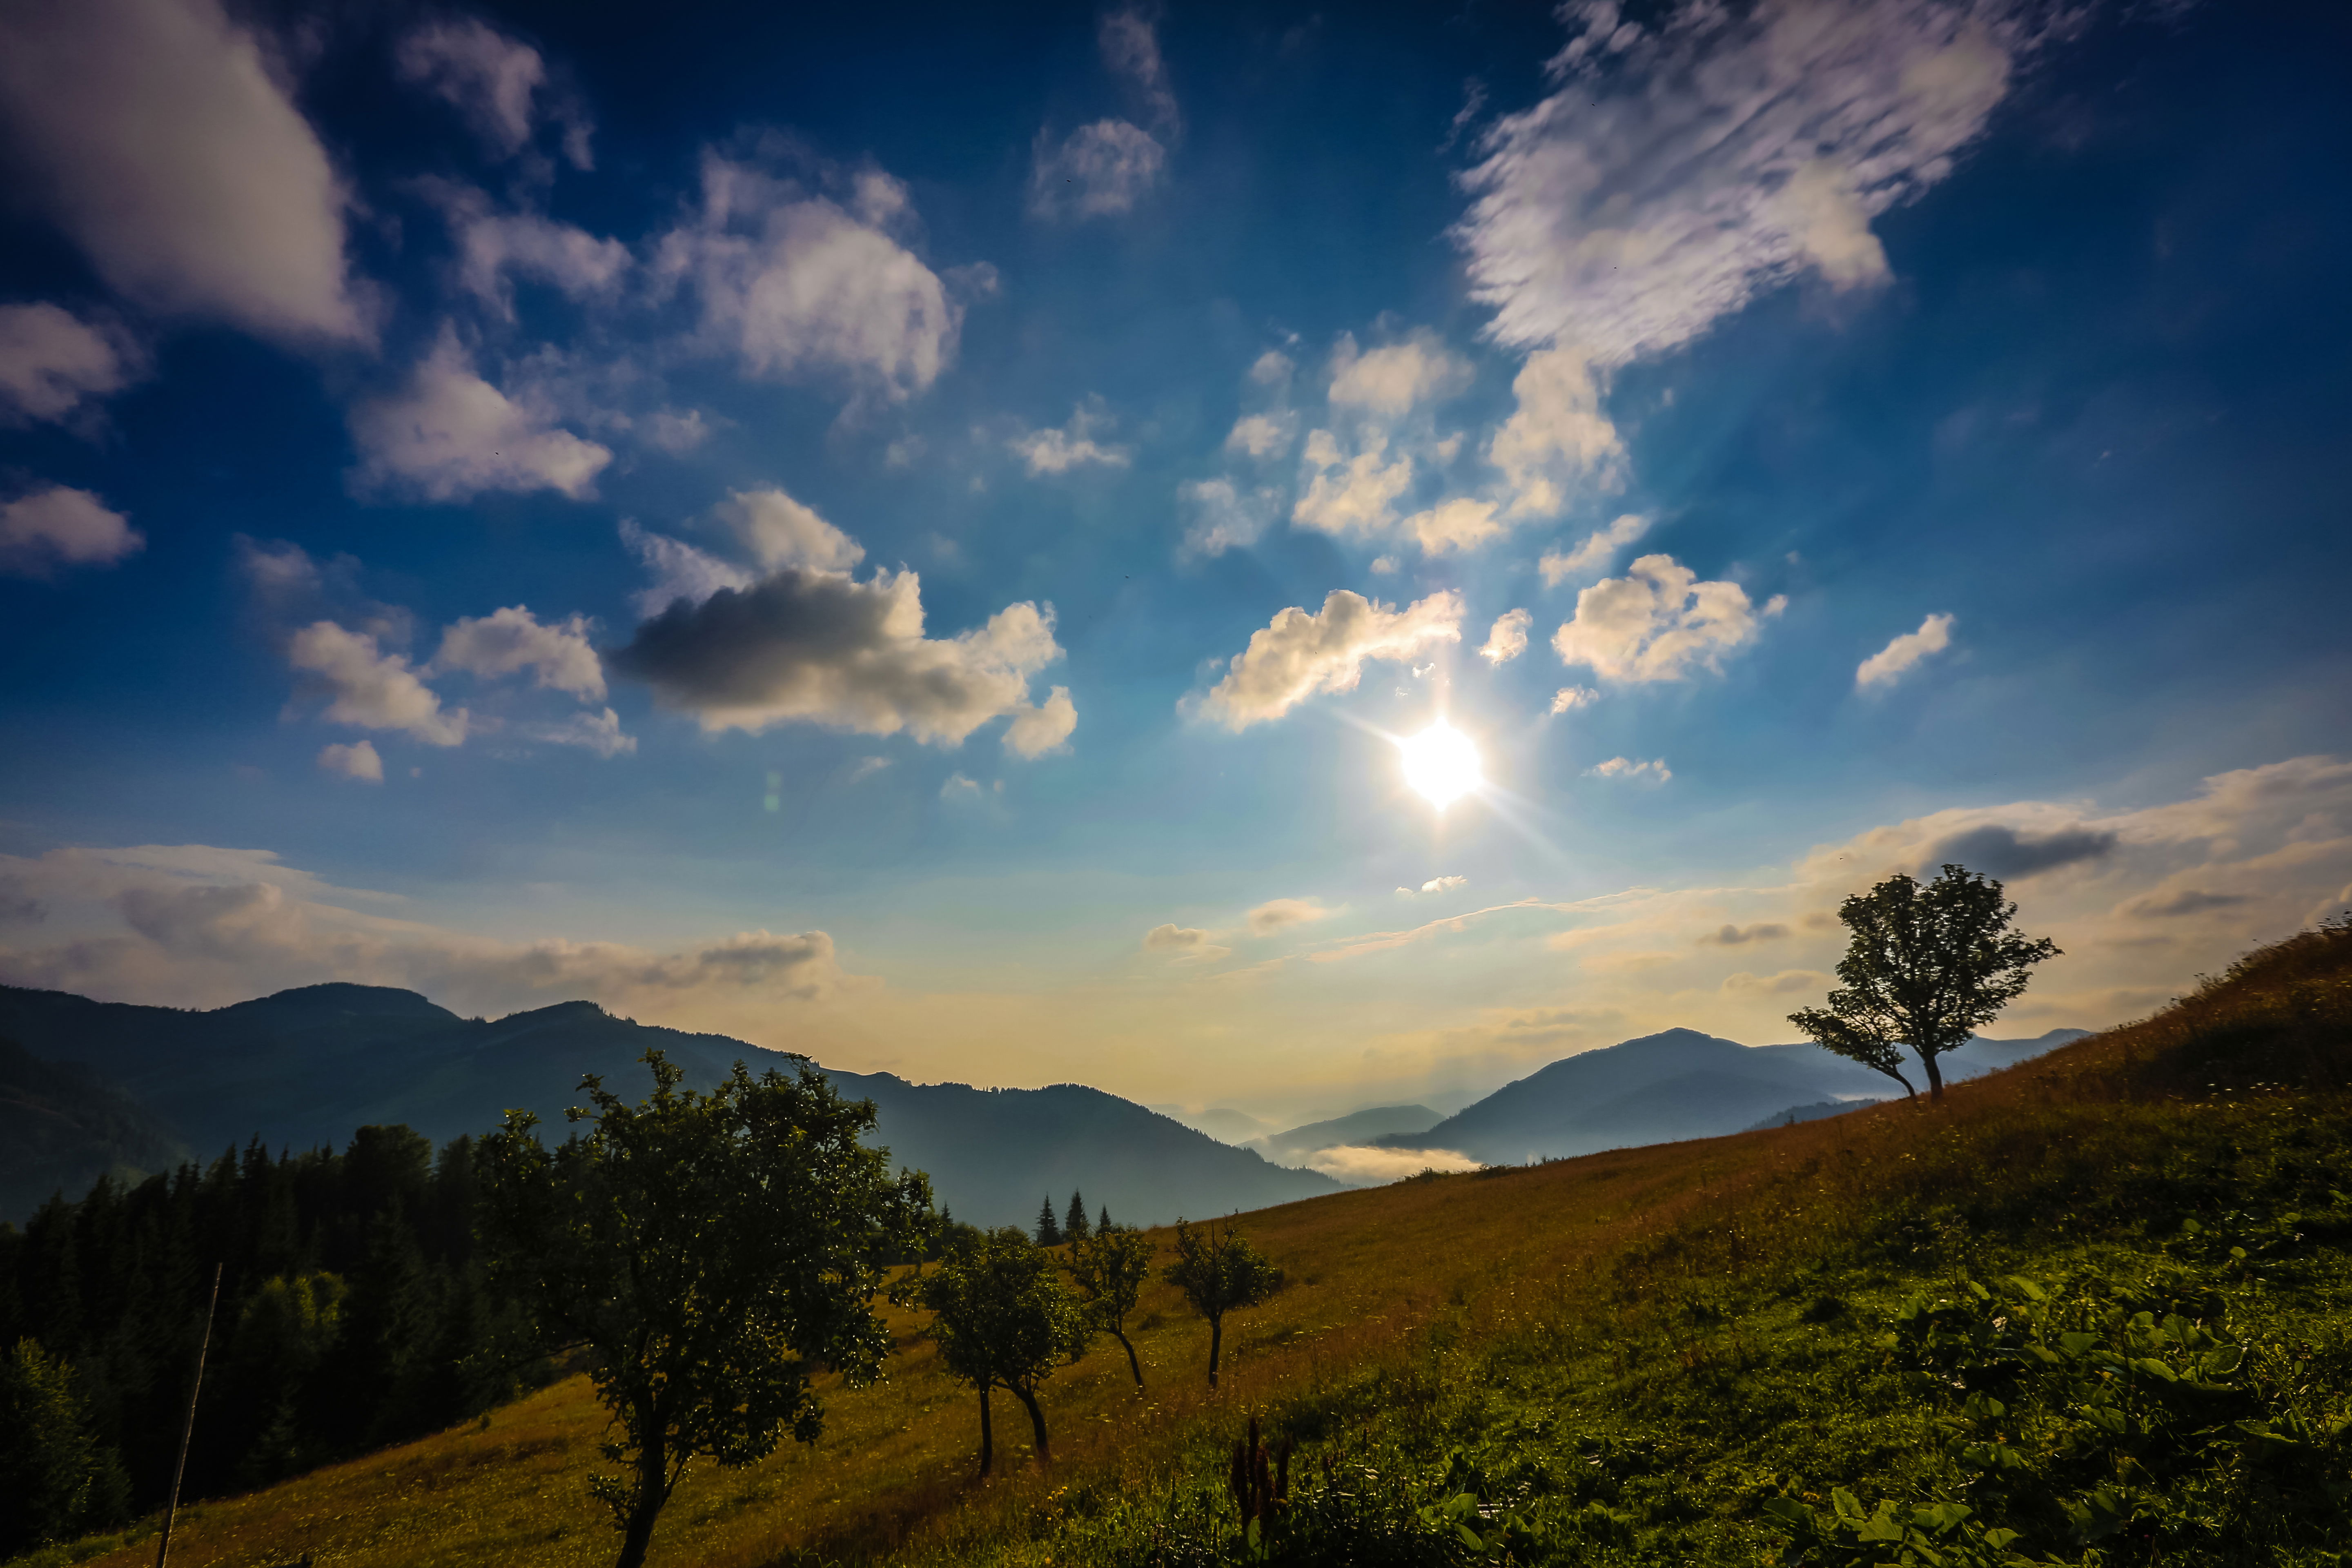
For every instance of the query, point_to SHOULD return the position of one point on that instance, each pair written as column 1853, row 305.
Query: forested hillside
column 2096, row 1310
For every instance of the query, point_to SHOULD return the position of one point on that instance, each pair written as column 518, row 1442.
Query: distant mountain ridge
column 1302, row 1143
column 62, row 1127
column 1675, row 1084
column 308, row 1066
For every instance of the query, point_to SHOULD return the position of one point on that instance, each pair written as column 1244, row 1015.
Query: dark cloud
column 2004, row 852
column 818, row 646
column 2187, row 902
column 1733, row 936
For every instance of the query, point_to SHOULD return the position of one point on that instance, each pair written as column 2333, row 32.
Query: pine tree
column 1102, row 1221
column 1074, row 1227
column 1049, row 1229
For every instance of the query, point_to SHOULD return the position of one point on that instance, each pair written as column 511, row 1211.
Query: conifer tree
column 1102, row 1220
column 1049, row 1229
column 1074, row 1228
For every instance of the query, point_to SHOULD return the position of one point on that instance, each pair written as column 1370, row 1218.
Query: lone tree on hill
column 1001, row 1320
column 1925, row 968
column 1110, row 1268
column 705, row 1249
column 1073, row 1223
column 1220, row 1273
column 1049, row 1229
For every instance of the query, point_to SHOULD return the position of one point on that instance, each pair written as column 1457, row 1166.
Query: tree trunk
column 1935, row 1079
column 1133, row 1365
column 987, row 1438
column 1036, row 1422
column 1216, row 1342
column 652, row 1490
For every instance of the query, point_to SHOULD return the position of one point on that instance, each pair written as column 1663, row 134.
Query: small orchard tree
column 1073, row 1223
column 1220, row 1272
column 1001, row 1320
column 1926, row 967
column 1049, row 1229
column 1110, row 1268
column 704, row 1249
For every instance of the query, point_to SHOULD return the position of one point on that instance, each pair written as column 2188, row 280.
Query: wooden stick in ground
column 188, row 1427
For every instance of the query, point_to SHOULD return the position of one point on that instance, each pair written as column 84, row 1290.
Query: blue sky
column 912, row 537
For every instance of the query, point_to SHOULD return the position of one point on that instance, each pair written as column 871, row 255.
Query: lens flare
column 1441, row 764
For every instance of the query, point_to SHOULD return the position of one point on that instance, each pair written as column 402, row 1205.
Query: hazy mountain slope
column 61, row 1128
column 1295, row 1146
column 308, row 1066
column 1675, row 1085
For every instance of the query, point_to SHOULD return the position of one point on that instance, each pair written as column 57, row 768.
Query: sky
column 916, row 535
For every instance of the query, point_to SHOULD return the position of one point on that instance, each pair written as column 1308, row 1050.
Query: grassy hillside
column 1732, row 1351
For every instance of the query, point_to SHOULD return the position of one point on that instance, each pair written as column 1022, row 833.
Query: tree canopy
column 1219, row 1273
column 1001, row 1320
column 1110, row 1268
column 705, row 1249
column 1926, row 967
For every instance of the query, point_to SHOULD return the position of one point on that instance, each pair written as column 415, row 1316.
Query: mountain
column 1815, row 1112
column 62, row 1127
column 1300, row 1144
column 1674, row 1085
column 308, row 1066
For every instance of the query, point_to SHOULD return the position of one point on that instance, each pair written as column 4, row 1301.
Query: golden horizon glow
column 1441, row 764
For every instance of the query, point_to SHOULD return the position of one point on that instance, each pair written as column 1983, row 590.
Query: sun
column 1441, row 764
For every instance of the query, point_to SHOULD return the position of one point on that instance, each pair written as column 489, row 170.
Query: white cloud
column 598, row 731
column 52, row 362
column 1658, row 623
column 1509, row 638
column 1130, row 48
column 369, row 689
column 817, row 646
column 1655, row 771
column 1097, row 169
column 681, row 571
column 1298, row 654
column 1719, row 154
column 1046, row 727
column 795, row 283
column 1445, row 884
column 1281, row 914
column 1594, row 553
column 493, row 245
column 1223, row 517
column 509, row 641
column 1383, row 566
column 780, row 533
column 1350, row 495
column 357, row 761
column 1263, row 435
column 1460, row 523
column 61, row 527
column 448, row 436
column 960, row 788
column 1368, row 1165
column 1392, row 381
column 1052, row 451
column 1787, row 983
column 491, row 80
column 675, row 433
column 1898, row 658
column 1557, row 437
column 1271, row 368
column 157, row 135
column 1568, row 697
